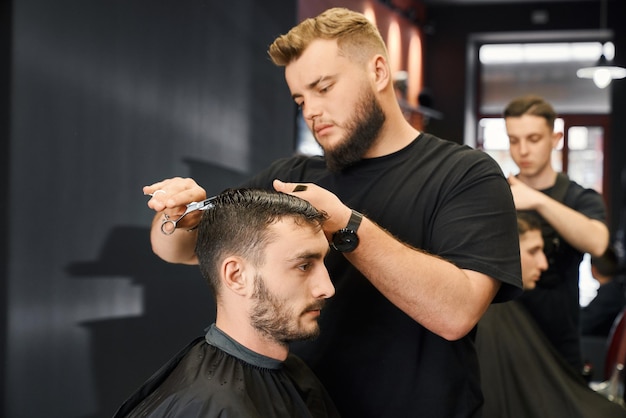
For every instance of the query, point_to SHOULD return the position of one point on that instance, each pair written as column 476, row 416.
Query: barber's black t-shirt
column 437, row 196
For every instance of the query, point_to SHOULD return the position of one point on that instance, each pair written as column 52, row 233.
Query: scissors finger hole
column 168, row 227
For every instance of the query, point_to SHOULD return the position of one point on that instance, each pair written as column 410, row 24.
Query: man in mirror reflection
column 522, row 374
column 573, row 222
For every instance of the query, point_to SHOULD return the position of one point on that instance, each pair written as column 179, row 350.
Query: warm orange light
column 394, row 45
column 369, row 13
column 414, row 67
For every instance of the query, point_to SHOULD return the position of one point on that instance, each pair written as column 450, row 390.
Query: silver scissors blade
column 202, row 205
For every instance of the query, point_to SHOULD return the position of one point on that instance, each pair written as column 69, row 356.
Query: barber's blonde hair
column 357, row 38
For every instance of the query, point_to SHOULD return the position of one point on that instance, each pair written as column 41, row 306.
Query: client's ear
column 235, row 274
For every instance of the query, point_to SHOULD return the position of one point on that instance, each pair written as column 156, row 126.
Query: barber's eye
column 325, row 88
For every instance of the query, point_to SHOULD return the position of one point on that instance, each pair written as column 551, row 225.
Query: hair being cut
column 527, row 222
column 238, row 224
column 357, row 38
column 531, row 105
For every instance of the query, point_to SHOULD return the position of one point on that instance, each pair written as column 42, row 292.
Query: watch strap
column 355, row 221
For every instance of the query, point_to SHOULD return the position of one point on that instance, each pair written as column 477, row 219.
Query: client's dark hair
column 237, row 224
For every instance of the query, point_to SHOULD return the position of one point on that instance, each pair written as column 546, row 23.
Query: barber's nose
column 311, row 110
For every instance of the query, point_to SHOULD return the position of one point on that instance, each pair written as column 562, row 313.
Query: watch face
column 345, row 240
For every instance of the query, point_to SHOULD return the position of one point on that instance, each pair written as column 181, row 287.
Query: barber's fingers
column 284, row 187
column 176, row 192
column 513, row 180
column 322, row 199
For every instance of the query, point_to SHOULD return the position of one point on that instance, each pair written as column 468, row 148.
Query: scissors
column 169, row 225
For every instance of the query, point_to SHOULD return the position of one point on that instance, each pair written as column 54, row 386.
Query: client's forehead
column 290, row 236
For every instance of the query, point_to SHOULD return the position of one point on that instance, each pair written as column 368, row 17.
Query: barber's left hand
column 524, row 196
column 323, row 200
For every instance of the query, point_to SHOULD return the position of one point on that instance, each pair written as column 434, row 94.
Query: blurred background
column 99, row 98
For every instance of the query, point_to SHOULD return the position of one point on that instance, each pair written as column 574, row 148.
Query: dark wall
column 106, row 97
column 5, row 83
column 448, row 29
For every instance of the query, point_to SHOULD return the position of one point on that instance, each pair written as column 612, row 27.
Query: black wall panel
column 105, row 97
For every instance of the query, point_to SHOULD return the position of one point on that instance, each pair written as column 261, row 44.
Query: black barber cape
column 214, row 376
column 523, row 376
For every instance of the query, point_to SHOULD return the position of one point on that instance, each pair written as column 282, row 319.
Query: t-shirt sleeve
column 588, row 202
column 476, row 228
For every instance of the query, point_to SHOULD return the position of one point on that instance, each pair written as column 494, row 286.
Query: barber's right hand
column 171, row 196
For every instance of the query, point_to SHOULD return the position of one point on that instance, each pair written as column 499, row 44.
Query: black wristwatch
column 346, row 240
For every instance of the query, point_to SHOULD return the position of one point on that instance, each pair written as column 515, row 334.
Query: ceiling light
column 603, row 72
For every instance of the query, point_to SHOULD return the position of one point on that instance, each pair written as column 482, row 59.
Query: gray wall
column 105, row 97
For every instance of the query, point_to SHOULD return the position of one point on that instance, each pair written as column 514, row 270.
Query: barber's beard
column 363, row 130
column 272, row 317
